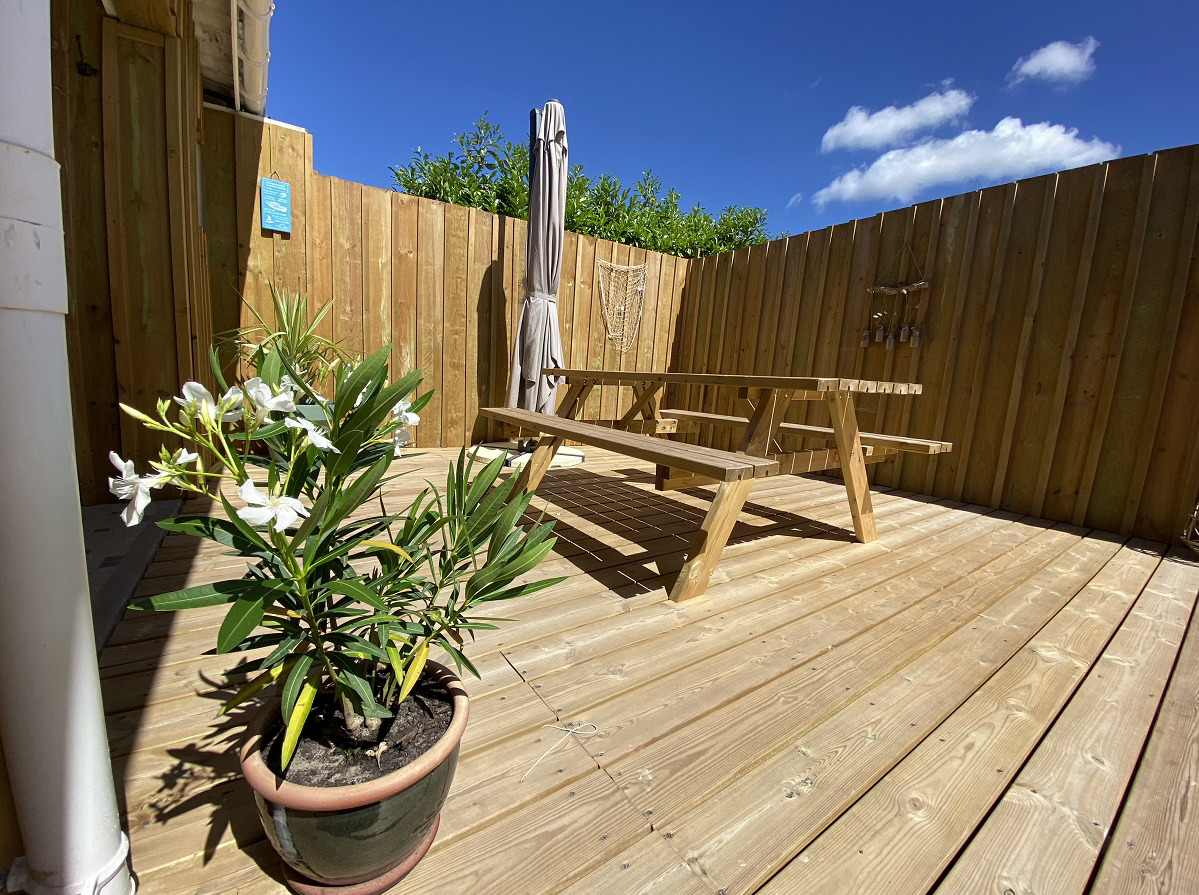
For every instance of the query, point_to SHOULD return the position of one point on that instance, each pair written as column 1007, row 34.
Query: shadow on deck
column 976, row 702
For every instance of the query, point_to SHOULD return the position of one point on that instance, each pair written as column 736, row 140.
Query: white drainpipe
column 51, row 714
column 254, row 53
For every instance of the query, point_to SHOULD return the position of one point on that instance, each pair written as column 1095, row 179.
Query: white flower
column 405, row 416
column 318, row 437
column 265, row 507
column 287, row 384
column 132, row 487
column 265, row 401
column 199, row 400
column 401, row 437
column 183, row 456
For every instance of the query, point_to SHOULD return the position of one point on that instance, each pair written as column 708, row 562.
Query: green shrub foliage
column 484, row 170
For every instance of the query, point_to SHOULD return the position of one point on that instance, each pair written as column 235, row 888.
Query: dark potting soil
column 327, row 756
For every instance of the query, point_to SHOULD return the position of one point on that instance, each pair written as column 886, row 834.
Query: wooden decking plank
column 510, row 775
column 538, row 849
column 648, row 867
column 1047, row 831
column 742, row 835
column 821, row 673
column 835, row 600
column 903, row 834
column 556, row 645
column 248, row 869
column 721, row 694
column 1155, row 846
column 553, row 625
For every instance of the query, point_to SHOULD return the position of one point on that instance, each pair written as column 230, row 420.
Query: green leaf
column 348, row 676
column 364, row 374
column 263, row 680
column 294, row 683
column 415, row 666
column 299, row 715
column 243, row 617
column 358, row 591
column 348, row 641
column 285, row 647
column 220, row 530
column 200, row 595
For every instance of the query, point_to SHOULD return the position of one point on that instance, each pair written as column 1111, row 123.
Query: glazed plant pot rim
column 299, row 797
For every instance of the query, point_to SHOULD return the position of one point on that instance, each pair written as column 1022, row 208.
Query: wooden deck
column 974, row 703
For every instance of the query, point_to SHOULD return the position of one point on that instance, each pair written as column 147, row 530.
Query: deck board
column 830, row 716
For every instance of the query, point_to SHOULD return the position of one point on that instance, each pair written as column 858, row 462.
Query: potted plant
column 342, row 605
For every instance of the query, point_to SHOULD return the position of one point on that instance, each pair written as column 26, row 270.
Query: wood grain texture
column 1046, row 834
column 925, row 807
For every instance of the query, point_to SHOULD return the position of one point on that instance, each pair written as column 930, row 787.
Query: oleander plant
column 342, row 594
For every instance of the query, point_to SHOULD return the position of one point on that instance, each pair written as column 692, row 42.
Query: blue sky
column 819, row 113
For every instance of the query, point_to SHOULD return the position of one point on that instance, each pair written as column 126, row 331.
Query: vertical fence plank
column 1169, row 296
column 454, row 336
column 1082, row 509
column 346, row 223
column 377, row 255
column 668, row 309
column 1173, row 483
column 1097, row 323
column 982, row 346
column 288, row 163
column 1078, row 288
column 498, row 337
column 585, row 311
column 256, row 251
column 647, row 331
column 1032, row 301
column 901, row 406
column 319, row 238
column 794, row 258
column 478, row 323
column 952, row 333
column 772, row 297
column 404, row 248
column 566, row 299
column 430, row 299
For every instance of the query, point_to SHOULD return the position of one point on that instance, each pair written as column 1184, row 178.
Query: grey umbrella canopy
column 538, row 341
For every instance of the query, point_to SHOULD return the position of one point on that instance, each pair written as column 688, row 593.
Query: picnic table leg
column 853, row 466
column 531, row 476
column 539, row 461
column 710, row 540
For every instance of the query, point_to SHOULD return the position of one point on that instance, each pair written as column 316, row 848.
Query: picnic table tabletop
column 740, row 380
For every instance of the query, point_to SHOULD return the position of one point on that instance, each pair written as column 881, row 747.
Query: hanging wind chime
column 896, row 313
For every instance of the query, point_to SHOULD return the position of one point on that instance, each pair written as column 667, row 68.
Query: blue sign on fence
column 276, row 205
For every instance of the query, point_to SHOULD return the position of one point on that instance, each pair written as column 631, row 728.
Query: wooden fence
column 442, row 284
column 1059, row 337
column 127, row 120
column 1059, row 332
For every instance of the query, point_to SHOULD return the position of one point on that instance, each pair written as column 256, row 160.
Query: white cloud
column 1012, row 150
column 863, row 129
column 795, row 200
column 1059, row 61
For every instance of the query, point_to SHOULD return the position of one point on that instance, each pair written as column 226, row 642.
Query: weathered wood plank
column 1156, row 842
column 1047, row 832
column 919, row 815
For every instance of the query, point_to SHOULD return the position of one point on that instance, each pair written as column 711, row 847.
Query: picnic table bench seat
column 733, row 472
column 894, row 442
column 722, row 466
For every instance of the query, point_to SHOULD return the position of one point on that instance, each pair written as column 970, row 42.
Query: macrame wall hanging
column 896, row 312
column 622, row 297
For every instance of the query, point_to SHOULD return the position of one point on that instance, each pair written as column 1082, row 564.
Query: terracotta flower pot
column 359, row 839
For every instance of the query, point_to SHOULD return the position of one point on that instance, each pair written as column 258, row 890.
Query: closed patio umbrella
column 538, row 341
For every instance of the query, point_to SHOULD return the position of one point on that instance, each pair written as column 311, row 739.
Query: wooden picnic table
column 764, row 401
